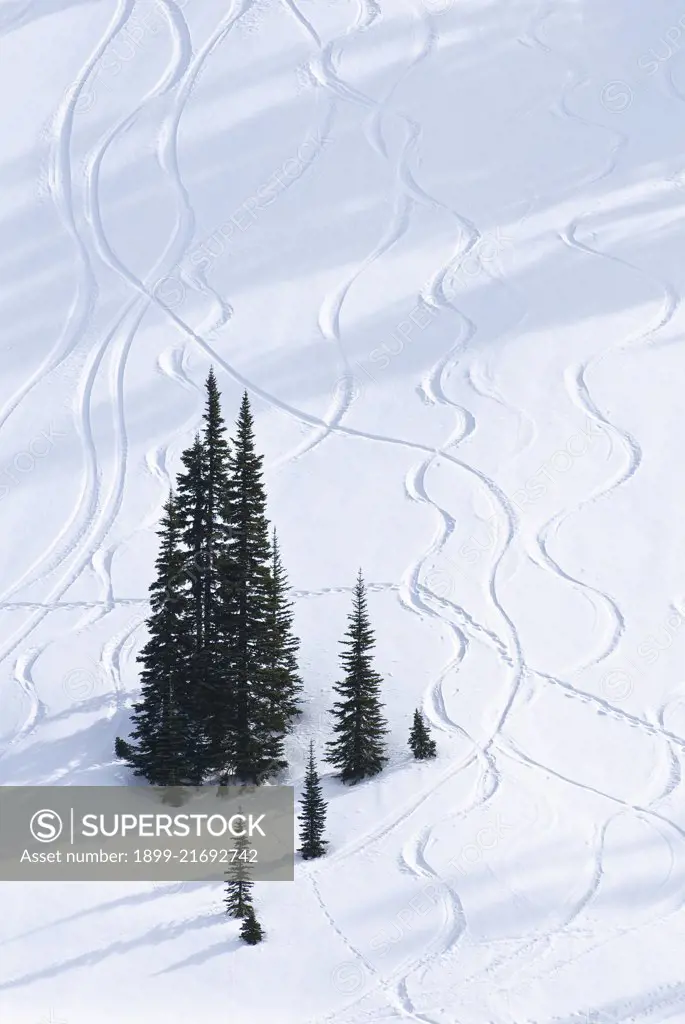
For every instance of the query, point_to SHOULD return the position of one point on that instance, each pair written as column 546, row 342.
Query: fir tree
column 215, row 527
column 253, row 747
column 238, row 898
column 190, row 491
column 122, row 749
column 202, row 491
column 163, row 742
column 422, row 746
column 313, row 816
column 251, row 930
column 282, row 686
column 359, row 749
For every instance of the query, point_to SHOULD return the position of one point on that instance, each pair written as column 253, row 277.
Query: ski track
column 98, row 519
column 112, row 658
column 542, row 557
column 539, row 946
column 410, row 596
column 674, row 779
column 88, row 499
column 542, row 945
column 575, row 377
column 324, row 71
column 662, row 825
column 395, row 999
column 433, row 389
column 172, row 364
column 60, row 189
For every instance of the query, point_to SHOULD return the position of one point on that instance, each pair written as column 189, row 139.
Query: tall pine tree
column 253, row 747
column 215, row 525
column 282, row 685
column 422, row 746
column 313, row 817
column 358, row 752
column 202, row 492
column 162, row 748
column 190, row 489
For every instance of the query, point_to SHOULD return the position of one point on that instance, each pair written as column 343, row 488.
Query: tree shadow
column 162, row 933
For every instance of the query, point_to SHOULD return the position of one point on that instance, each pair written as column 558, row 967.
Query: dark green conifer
column 282, row 685
column 313, row 817
column 238, row 898
column 422, row 746
column 162, row 748
column 253, row 747
column 358, row 752
column 251, row 931
column 190, row 492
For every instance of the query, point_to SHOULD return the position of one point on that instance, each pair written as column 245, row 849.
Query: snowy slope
column 440, row 242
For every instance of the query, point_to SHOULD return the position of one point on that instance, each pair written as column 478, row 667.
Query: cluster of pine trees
column 220, row 686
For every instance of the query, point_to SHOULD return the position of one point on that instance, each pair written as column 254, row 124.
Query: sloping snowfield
column 441, row 244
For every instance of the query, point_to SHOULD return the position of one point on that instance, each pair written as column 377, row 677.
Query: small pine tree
column 313, row 816
column 251, row 930
column 359, row 749
column 238, row 898
column 422, row 746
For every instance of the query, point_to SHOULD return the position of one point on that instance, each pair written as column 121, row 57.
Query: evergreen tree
column 122, row 749
column 313, row 816
column 214, row 700
column 422, row 746
column 202, row 490
column 252, row 749
column 190, row 491
column 359, row 749
column 251, row 930
column 215, row 527
column 163, row 743
column 282, row 686
column 238, row 898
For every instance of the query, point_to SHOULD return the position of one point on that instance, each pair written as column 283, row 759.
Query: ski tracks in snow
column 577, row 389
column 576, row 376
column 323, row 69
column 417, row 598
column 97, row 517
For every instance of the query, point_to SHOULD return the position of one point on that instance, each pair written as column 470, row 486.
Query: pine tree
column 238, row 897
column 254, row 747
column 251, row 931
column 122, row 749
column 282, row 685
column 422, row 746
column 190, row 490
column 202, row 491
column 313, row 816
column 359, row 749
column 216, row 528
column 163, row 741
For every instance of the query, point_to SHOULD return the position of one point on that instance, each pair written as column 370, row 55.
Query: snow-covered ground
column 441, row 243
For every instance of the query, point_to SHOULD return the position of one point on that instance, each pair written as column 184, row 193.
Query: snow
column 440, row 243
